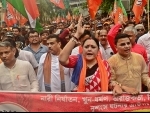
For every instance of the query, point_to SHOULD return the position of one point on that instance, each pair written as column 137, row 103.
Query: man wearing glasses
column 144, row 40
column 140, row 31
column 34, row 45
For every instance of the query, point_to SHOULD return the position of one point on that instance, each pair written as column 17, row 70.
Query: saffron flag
column 21, row 19
column 119, row 12
column 58, row 3
column 28, row 8
column 58, row 19
column 10, row 18
column 93, row 6
column 138, row 9
column 69, row 16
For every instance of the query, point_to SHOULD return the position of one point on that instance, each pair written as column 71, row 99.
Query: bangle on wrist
column 75, row 38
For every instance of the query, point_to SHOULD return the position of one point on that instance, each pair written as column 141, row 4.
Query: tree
column 106, row 5
column 49, row 10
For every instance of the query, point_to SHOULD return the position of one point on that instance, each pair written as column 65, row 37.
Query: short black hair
column 32, row 31
column 54, row 36
column 13, row 45
column 16, row 28
column 120, row 36
column 87, row 23
column 45, row 31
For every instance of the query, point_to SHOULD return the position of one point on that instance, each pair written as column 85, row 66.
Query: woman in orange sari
column 91, row 73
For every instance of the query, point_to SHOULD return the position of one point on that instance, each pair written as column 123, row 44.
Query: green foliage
column 44, row 10
column 3, row 3
column 49, row 10
column 75, row 11
column 106, row 5
column 84, row 5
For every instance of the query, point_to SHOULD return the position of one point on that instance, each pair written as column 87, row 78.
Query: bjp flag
column 93, row 6
column 138, row 9
column 10, row 15
column 119, row 12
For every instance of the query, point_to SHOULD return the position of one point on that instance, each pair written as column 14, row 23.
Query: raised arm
column 112, row 34
column 64, row 55
column 64, row 34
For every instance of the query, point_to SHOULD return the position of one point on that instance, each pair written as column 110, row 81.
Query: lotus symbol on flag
column 9, row 15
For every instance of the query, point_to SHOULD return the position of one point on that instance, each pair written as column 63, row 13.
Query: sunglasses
column 140, row 29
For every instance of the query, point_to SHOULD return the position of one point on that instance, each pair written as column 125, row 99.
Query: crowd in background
column 81, row 55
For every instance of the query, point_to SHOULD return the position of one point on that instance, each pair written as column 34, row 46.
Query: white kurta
column 55, row 75
column 21, row 77
column 106, row 53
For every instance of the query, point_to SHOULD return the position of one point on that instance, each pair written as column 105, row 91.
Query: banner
column 72, row 102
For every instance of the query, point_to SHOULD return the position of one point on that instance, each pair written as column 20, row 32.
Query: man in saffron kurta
column 128, row 69
column 130, row 31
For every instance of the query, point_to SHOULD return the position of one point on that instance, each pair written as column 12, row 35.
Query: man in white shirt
column 144, row 40
column 28, row 56
column 15, row 75
column 52, row 76
column 105, row 48
column 25, row 55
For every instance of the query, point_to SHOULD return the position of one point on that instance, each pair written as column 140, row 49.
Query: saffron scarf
column 102, row 72
column 47, row 72
column 80, row 49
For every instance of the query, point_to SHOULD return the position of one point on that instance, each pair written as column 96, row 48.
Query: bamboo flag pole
column 1, row 16
column 95, row 26
column 148, row 13
column 1, row 13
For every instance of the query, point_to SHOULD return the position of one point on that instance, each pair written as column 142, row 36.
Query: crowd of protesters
column 80, row 56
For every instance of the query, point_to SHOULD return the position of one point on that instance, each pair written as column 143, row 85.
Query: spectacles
column 36, row 36
column 140, row 29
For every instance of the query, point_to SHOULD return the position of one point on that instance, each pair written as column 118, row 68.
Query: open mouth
column 89, row 54
column 128, row 50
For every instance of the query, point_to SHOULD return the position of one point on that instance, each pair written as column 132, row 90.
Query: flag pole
column 148, row 13
column 95, row 26
column 1, row 17
column 1, row 13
